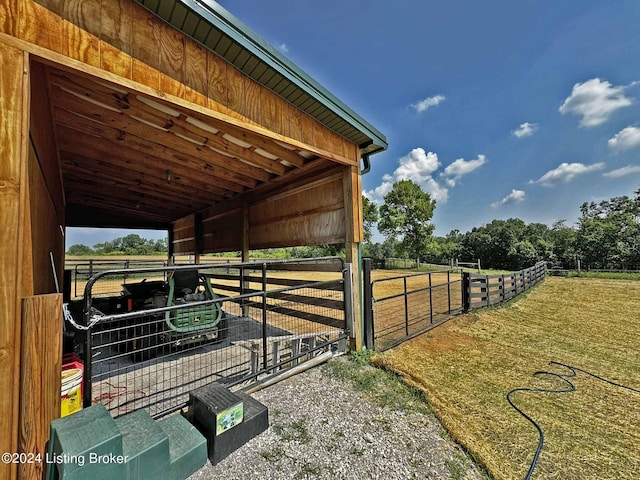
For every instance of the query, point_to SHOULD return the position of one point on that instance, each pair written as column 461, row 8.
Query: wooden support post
column 352, row 189
column 14, row 138
column 466, row 292
column 41, row 359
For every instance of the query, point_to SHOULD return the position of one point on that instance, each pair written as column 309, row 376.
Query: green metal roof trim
column 216, row 29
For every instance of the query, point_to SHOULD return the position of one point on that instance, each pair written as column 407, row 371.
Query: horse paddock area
column 467, row 366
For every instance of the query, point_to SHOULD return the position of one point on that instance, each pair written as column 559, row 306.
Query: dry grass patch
column 467, row 366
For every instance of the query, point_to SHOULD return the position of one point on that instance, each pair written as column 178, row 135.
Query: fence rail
column 486, row 290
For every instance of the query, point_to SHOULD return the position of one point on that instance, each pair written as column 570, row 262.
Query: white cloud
column 427, row 103
column 461, row 167
column 565, row 172
column 516, row 196
column 283, row 47
column 625, row 139
column 621, row 172
column 437, row 191
column 418, row 166
column 595, row 100
column 525, row 129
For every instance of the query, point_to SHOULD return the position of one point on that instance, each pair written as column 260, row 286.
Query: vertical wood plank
column 9, row 16
column 236, row 93
column 40, row 26
column 172, row 60
column 80, row 45
column 14, row 104
column 115, row 61
column 217, row 84
column 116, row 24
column 146, row 40
column 270, row 111
column 351, row 246
column 41, row 358
column 195, row 75
column 85, row 14
column 143, row 73
column 250, row 105
column 295, row 122
column 306, row 123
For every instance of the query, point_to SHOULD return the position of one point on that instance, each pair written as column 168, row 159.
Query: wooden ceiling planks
column 147, row 159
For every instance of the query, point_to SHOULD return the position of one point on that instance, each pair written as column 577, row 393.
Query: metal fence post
column 430, row 301
column 406, row 307
column 264, row 316
column 449, row 291
column 367, row 292
column 347, row 295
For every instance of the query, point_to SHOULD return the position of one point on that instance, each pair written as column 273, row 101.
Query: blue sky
column 499, row 109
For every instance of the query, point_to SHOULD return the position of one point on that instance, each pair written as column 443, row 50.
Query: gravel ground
column 322, row 427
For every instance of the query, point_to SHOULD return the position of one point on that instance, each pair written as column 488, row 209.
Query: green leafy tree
column 370, row 217
column 563, row 241
column 608, row 232
column 405, row 215
column 80, row 249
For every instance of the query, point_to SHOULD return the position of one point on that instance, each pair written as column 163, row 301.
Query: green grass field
column 467, row 366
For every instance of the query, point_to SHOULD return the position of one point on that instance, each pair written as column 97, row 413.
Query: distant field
column 467, row 366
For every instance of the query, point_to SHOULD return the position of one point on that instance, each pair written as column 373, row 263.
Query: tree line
column 132, row 244
column 606, row 236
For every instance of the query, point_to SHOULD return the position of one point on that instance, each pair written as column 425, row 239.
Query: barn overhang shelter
column 164, row 114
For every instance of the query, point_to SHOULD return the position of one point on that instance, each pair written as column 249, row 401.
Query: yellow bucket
column 71, row 391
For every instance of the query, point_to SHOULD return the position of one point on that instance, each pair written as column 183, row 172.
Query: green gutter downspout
column 364, row 171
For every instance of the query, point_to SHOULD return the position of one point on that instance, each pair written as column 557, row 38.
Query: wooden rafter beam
column 123, row 100
column 175, row 146
column 113, row 144
column 117, row 167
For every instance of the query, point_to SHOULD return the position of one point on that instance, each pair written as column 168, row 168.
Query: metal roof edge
column 220, row 18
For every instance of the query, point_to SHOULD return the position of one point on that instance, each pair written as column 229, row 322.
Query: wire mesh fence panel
column 156, row 340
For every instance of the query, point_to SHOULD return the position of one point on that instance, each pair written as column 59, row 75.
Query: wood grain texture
column 116, row 24
column 41, row 130
column 195, row 78
column 9, row 16
column 86, row 14
column 271, row 111
column 352, row 212
column 323, row 194
column 115, row 61
column 13, row 117
column 80, row 45
column 172, row 60
column 40, row 379
column 123, row 38
column 146, row 38
column 217, row 84
column 40, row 26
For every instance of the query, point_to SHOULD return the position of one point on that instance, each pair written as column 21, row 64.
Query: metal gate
column 397, row 308
column 238, row 324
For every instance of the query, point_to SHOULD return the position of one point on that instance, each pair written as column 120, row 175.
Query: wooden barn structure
column 165, row 114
